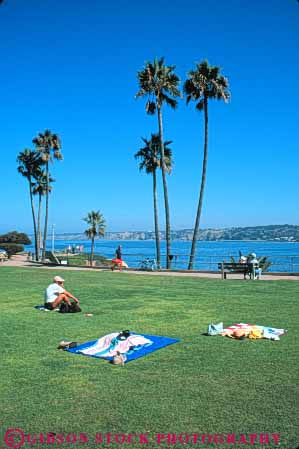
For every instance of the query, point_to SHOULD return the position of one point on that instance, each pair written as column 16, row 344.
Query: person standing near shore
column 117, row 262
column 118, row 252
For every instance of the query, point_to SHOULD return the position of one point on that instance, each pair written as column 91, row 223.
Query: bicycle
column 148, row 264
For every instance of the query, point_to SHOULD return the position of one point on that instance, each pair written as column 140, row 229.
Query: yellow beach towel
column 255, row 334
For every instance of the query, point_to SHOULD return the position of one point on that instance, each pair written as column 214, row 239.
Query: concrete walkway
column 20, row 260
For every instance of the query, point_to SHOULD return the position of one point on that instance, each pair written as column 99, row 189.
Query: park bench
column 235, row 267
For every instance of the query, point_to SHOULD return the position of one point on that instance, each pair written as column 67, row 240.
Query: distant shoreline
column 173, row 240
column 270, row 233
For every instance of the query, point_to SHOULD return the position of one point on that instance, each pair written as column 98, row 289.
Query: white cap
column 58, row 279
column 253, row 254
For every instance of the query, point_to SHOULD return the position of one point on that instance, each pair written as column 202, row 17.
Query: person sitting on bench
column 55, row 294
column 256, row 270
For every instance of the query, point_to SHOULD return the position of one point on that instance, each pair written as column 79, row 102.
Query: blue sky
column 70, row 66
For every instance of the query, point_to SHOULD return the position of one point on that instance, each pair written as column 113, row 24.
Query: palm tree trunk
column 92, row 251
column 34, row 219
column 202, row 188
column 38, row 224
column 46, row 213
column 158, row 253
column 166, row 203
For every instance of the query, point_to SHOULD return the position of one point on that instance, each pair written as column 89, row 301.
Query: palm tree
column 159, row 84
column 150, row 160
column 97, row 227
column 39, row 188
column 204, row 83
column 47, row 144
column 29, row 165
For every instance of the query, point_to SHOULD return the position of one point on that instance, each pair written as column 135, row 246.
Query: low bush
column 11, row 248
column 15, row 237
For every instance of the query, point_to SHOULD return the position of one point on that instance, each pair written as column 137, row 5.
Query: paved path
column 20, row 260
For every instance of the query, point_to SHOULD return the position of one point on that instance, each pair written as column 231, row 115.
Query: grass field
column 201, row 385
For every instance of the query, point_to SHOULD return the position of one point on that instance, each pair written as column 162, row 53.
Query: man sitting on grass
column 55, row 294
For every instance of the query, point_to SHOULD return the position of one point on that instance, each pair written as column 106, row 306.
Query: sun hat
column 58, row 279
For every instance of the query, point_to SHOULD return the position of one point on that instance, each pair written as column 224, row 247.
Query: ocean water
column 284, row 256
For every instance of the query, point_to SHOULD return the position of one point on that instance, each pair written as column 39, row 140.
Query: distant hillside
column 279, row 233
column 289, row 233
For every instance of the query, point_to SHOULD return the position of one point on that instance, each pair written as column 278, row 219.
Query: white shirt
column 52, row 292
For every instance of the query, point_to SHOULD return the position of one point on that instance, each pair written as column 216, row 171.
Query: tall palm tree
column 159, row 84
column 39, row 188
column 204, row 83
column 97, row 226
column 48, row 145
column 150, row 160
column 29, row 165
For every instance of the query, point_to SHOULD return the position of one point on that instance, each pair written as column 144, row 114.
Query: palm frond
column 58, row 155
column 200, row 105
column 30, row 163
column 214, row 72
column 169, row 101
column 150, row 107
column 188, row 87
column 159, row 82
column 206, row 82
column 46, row 157
column 140, row 93
column 47, row 143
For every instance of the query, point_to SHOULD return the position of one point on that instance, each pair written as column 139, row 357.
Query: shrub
column 15, row 237
column 11, row 248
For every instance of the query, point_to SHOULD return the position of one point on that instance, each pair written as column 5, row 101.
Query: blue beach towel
column 156, row 342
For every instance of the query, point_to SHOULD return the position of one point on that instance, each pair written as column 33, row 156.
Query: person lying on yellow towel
column 236, row 333
column 253, row 333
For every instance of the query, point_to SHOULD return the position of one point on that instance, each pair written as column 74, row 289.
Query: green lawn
column 82, row 259
column 200, row 385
